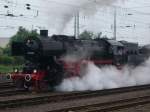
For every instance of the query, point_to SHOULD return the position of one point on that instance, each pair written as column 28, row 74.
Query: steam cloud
column 61, row 12
column 108, row 77
column 95, row 78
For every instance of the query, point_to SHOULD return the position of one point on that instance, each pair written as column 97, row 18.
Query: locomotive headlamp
column 28, row 41
column 16, row 70
column 34, row 71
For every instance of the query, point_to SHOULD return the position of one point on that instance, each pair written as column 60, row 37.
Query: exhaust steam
column 96, row 78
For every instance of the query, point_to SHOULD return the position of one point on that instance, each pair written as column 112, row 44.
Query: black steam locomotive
column 51, row 59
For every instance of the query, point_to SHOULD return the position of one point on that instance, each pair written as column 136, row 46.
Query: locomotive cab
column 118, row 52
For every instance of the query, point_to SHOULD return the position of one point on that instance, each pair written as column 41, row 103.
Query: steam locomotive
column 51, row 59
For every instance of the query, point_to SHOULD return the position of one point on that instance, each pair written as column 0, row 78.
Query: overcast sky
column 133, row 18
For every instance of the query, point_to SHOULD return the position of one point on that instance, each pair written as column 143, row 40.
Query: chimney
column 44, row 33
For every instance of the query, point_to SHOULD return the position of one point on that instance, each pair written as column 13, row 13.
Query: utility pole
column 32, row 27
column 115, row 23
column 77, row 25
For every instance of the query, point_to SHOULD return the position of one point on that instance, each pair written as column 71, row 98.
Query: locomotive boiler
column 51, row 59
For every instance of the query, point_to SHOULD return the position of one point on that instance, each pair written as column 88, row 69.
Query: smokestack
column 44, row 33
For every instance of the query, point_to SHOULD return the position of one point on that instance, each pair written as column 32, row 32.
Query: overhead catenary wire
column 99, row 19
column 77, row 6
column 47, row 11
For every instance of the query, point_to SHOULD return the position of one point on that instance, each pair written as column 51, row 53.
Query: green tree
column 1, row 51
column 99, row 35
column 6, row 60
column 90, row 35
column 21, row 35
column 6, row 50
column 86, row 35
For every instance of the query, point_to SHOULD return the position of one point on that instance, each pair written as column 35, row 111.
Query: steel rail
column 59, row 97
column 109, row 106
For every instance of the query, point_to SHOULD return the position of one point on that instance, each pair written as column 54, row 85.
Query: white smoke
column 61, row 12
column 108, row 77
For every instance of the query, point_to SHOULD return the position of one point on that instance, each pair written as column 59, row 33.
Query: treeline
column 9, row 60
column 22, row 34
column 5, row 53
column 90, row 35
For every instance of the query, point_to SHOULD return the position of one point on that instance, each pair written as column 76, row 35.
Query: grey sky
column 101, row 21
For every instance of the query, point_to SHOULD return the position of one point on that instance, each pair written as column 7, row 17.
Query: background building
column 4, row 42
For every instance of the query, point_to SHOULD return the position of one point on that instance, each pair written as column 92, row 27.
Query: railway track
column 6, row 85
column 11, row 92
column 8, row 89
column 61, row 97
column 109, row 106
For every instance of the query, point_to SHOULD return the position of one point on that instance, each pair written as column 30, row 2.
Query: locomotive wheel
column 26, row 85
column 41, row 86
column 55, row 76
column 19, row 83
